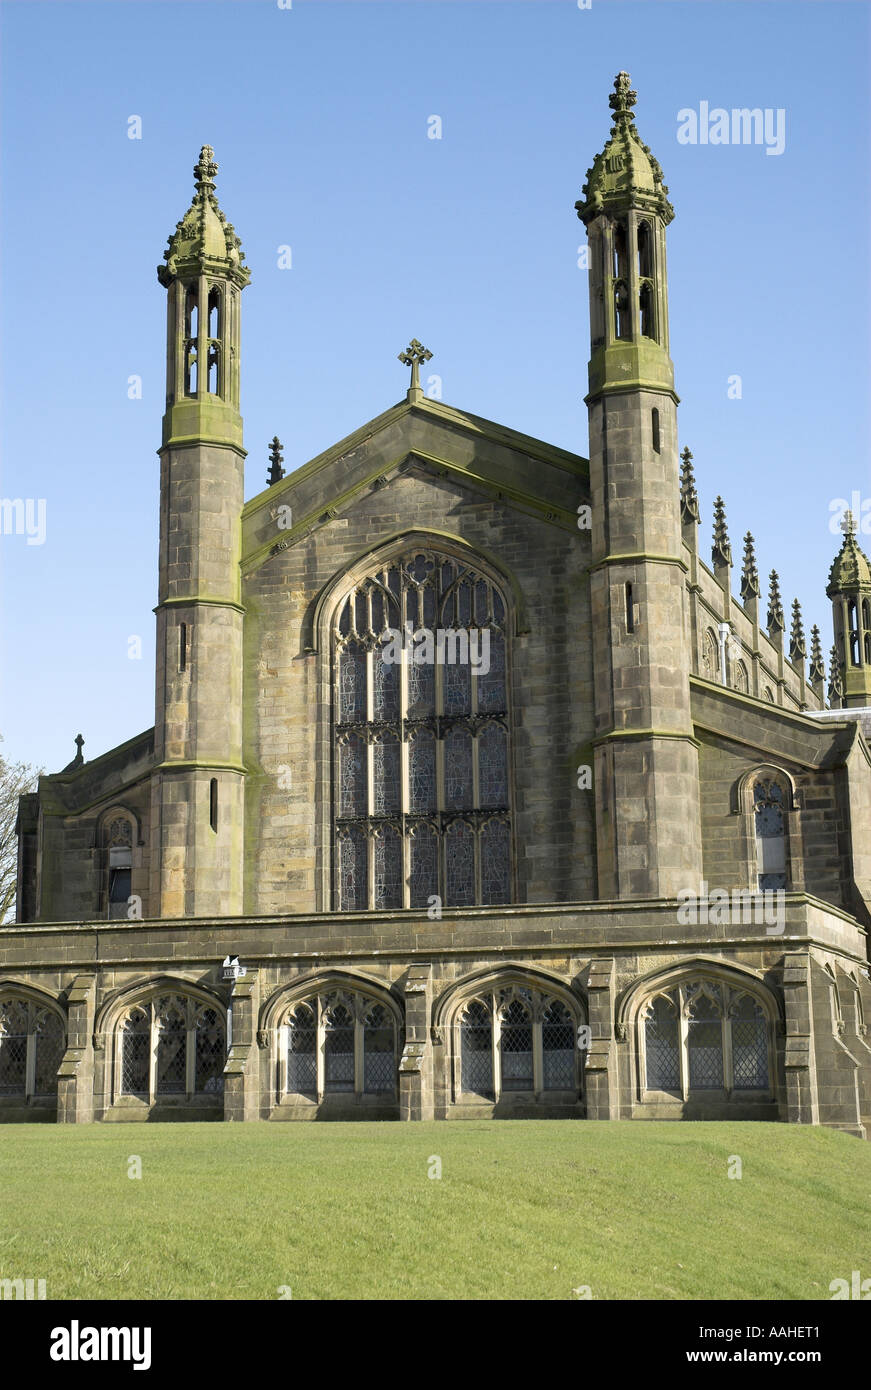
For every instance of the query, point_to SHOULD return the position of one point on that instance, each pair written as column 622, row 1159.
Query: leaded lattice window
column 770, row 806
column 32, row 1043
column 422, row 790
column 338, row 1042
column 703, row 1035
column 516, row 1039
column 170, row 1045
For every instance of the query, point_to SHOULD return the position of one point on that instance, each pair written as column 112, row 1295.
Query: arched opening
column 645, row 251
column 32, row 1043
column 169, row 1044
column 338, row 1041
column 654, row 428
column 516, row 1039
column 701, row 1036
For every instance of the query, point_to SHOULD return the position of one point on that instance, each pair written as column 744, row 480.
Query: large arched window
column 338, row 1041
column 516, row 1039
column 421, row 757
column 32, row 1042
column 703, row 1036
column 170, row 1045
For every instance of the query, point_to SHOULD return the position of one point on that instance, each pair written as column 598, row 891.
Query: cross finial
column 276, row 459
column 205, row 169
column 622, row 99
column 412, row 357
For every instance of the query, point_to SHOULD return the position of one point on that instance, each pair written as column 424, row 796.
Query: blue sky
column 318, row 115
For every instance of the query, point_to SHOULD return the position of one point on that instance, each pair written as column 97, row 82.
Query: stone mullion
column 320, row 1049
column 30, row 1054
column 496, row 1038
column 359, row 1052
column 683, row 1041
column 154, row 1038
column 728, row 1071
column 633, row 286
column 190, row 1059
column 537, row 1048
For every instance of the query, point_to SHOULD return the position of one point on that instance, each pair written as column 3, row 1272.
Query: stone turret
column 849, row 588
column 197, row 788
column 646, row 756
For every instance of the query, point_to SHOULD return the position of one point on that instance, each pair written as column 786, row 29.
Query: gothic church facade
column 464, row 752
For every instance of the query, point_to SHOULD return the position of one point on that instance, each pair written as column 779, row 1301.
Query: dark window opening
column 213, row 804
column 645, row 300
column 645, row 250
column 630, row 616
column 214, row 313
column 183, row 646
column 654, row 421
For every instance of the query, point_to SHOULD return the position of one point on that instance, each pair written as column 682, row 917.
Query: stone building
column 473, row 789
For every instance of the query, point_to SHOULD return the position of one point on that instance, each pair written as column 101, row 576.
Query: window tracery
column 32, row 1043
column 516, row 1038
column 703, row 1035
column 171, row 1044
column 338, row 1041
column 421, row 737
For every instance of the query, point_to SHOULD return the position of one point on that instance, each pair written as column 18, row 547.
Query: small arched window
column 191, row 314
column 118, row 838
column 710, row 656
column 741, row 678
column 770, row 809
column 654, row 430
column 768, row 693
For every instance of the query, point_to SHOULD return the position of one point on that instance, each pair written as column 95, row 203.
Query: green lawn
column 523, row 1209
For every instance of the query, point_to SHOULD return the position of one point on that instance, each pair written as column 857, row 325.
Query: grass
column 523, row 1209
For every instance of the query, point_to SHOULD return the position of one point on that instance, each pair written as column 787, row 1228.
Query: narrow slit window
column 213, row 804
column 630, row 618
column 654, row 422
column 183, row 647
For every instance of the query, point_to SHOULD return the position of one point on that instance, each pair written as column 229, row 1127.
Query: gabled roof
column 513, row 468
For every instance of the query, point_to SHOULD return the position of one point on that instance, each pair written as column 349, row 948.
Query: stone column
column 416, row 1100
column 242, row 1073
column 75, row 1086
column 601, row 1071
column 802, row 1103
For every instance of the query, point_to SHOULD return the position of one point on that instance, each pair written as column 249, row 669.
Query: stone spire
column 775, row 621
column 817, row 671
column 721, row 551
column 689, row 498
column 276, row 459
column 204, row 241
column 797, row 644
column 749, row 573
column 836, row 683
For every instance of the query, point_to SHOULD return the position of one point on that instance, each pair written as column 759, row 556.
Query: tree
column 15, row 780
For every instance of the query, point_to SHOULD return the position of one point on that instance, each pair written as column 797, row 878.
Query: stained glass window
column 388, row 867
column 460, row 864
column 424, row 850
column 421, row 731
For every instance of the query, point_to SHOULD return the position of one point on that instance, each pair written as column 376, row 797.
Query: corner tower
column 849, row 588
column 197, row 789
column 647, row 777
